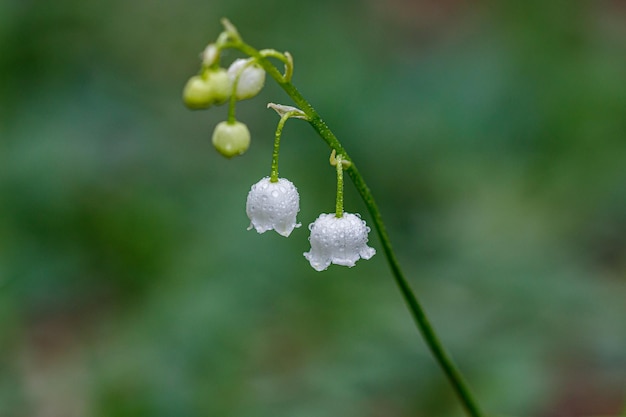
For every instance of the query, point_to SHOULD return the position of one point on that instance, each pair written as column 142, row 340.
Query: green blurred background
column 493, row 135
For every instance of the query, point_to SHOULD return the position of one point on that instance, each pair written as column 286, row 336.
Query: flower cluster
column 243, row 79
column 337, row 240
column 273, row 203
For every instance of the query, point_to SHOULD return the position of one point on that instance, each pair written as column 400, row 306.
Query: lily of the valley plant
column 273, row 203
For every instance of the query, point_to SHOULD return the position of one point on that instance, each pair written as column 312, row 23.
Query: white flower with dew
column 251, row 80
column 338, row 240
column 273, row 205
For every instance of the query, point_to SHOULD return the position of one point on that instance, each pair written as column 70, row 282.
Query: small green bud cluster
column 211, row 87
column 215, row 85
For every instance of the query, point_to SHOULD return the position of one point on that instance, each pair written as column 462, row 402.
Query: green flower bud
column 231, row 139
column 212, row 87
column 198, row 93
column 210, row 55
column 220, row 85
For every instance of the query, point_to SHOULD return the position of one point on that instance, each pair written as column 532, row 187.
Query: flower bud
column 198, row 93
column 231, row 139
column 212, row 87
column 273, row 205
column 250, row 81
column 338, row 240
column 210, row 55
column 220, row 85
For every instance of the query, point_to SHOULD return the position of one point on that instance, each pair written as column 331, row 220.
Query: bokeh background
column 493, row 135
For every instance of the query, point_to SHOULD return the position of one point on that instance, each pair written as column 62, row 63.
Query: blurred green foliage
column 492, row 133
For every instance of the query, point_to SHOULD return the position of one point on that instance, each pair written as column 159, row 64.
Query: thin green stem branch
column 417, row 311
column 232, row 104
column 339, row 205
column 276, row 151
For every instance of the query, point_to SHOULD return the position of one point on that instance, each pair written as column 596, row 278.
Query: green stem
column 232, row 104
column 339, row 205
column 275, row 152
column 417, row 311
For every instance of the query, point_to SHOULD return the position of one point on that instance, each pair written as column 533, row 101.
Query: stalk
column 417, row 311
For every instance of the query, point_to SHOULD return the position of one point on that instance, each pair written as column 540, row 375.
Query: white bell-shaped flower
column 251, row 80
column 338, row 240
column 273, row 205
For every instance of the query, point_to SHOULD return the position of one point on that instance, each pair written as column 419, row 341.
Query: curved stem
column 417, row 311
column 275, row 152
